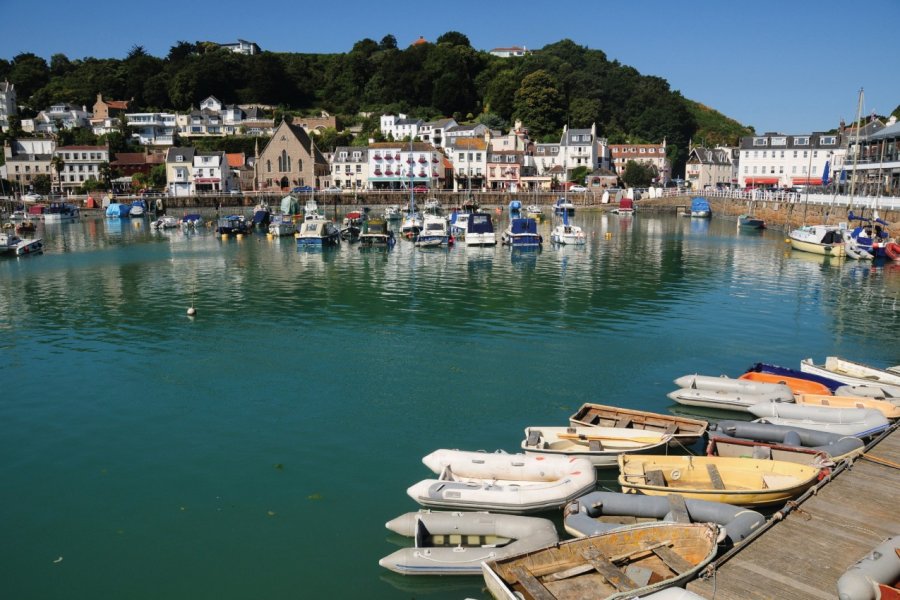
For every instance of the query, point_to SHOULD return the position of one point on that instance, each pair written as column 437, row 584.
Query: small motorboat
column 741, row 481
column 853, row 373
column 779, row 442
column 684, row 431
column 459, row 223
column 138, row 209
column 116, row 210
column 825, row 240
column 233, row 225
column 626, row 207
column 318, row 233
column 628, row 563
column 262, row 215
column 311, row 211
column 455, row 543
column 600, row 445
column 869, row 576
column 392, row 212
column 700, row 208
column 59, row 212
column 567, row 234
column 282, row 224
column 598, row 512
column 890, row 410
column 500, row 482
column 375, row 233
column 522, row 233
column 797, row 385
column 13, row 244
column 433, row 206
column 191, row 221
column 831, row 384
column 352, row 226
column 165, row 222
column 533, row 211
column 726, row 393
column 434, row 233
column 751, row 222
column 859, row 422
column 564, row 206
column 480, row 230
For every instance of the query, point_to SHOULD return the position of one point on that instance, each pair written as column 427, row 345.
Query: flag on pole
column 825, row 172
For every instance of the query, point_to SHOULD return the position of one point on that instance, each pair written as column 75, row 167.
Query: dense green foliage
column 558, row 84
column 714, row 128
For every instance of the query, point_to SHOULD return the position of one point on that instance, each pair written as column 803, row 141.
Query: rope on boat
column 455, row 562
column 881, row 461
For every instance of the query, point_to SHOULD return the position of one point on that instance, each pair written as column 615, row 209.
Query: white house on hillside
column 7, row 103
column 400, row 127
column 210, row 173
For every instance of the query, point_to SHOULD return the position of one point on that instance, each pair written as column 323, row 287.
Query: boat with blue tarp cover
column 515, row 208
column 869, row 234
column 700, row 208
column 116, row 210
column 480, row 230
column 831, row 384
column 522, row 233
column 232, row 225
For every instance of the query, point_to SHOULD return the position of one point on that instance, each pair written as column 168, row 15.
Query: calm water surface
column 257, row 450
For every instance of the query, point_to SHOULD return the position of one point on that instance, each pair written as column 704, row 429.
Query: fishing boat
column 434, row 234
column 684, row 431
column 700, row 208
column 480, row 230
column 455, row 543
column 600, row 445
column 780, row 442
column 891, row 410
column 165, row 222
column 598, row 512
column 191, row 221
column 533, row 211
column 233, row 225
column 818, row 239
column 852, row 373
column 375, row 233
column 459, row 223
column 318, row 233
column 876, row 575
column 567, row 234
column 262, row 216
column 726, row 393
column 522, row 233
column 797, row 385
column 352, row 226
column 392, row 212
column 740, row 481
column 628, row 563
column 859, row 422
column 831, row 384
column 751, row 222
column 11, row 243
column 500, row 482
column 282, row 224
column 138, row 209
column 311, row 211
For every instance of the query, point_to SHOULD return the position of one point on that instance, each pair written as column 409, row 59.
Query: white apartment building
column 48, row 121
column 653, row 155
column 7, row 103
column 153, row 129
column 776, row 160
column 210, row 173
column 433, row 132
column 400, row 127
column 580, row 148
column 709, row 167
column 80, row 164
column 179, row 164
column 469, row 156
column 25, row 159
column 395, row 165
column 350, row 167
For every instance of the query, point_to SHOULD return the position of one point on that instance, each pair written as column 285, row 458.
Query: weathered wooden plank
column 673, row 560
column 610, row 572
column 655, row 477
column 714, row 477
column 678, row 508
column 531, row 585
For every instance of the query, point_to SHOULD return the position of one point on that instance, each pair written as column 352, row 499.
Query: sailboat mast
column 859, row 104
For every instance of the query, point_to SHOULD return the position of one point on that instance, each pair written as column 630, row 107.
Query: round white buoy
column 192, row 311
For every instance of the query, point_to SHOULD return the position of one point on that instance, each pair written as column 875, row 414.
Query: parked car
column 577, row 188
column 420, row 189
column 32, row 198
column 333, row 190
column 303, row 189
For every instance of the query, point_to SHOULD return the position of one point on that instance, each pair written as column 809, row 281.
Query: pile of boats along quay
column 486, row 512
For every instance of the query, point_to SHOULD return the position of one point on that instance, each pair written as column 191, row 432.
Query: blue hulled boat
column 700, row 208
column 522, row 233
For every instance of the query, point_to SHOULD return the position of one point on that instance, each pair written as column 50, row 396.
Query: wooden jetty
column 802, row 555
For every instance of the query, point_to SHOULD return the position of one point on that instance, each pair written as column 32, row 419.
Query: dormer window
column 801, row 141
column 179, row 158
column 760, row 141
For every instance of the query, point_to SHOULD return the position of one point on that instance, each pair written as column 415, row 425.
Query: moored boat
column 726, row 393
column 13, row 244
column 352, row 226
column 797, row 385
column 58, row 212
column 818, row 239
column 480, row 230
column 459, row 223
column 522, row 233
column 434, row 233
column 500, row 482
column 851, row 372
column 628, row 563
column 318, row 233
column 455, row 543
column 375, row 233
column 890, row 410
column 563, row 206
column 751, row 222
column 600, row 445
column 869, row 576
column 859, row 422
column 684, row 431
column 700, row 208
column 597, row 512
column 626, row 207
column 165, row 222
column 742, row 438
column 233, row 225
column 191, row 221
column 831, row 384
column 567, row 234
column 534, row 211
column 282, row 224
column 740, row 481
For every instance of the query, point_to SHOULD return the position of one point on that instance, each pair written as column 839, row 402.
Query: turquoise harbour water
column 257, row 450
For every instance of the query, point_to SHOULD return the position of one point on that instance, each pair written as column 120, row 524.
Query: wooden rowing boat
column 600, row 445
column 616, row 564
column 684, row 431
column 741, row 481
column 889, row 409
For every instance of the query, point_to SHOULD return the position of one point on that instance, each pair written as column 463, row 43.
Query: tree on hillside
column 538, row 103
column 638, row 175
column 30, row 73
column 453, row 38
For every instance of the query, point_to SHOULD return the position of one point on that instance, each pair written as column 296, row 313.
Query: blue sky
column 791, row 66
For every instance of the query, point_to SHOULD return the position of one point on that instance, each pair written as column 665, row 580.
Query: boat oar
column 587, row 438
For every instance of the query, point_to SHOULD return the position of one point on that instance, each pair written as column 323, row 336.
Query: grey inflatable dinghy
column 835, row 445
column 880, row 567
column 582, row 515
column 455, row 543
column 726, row 393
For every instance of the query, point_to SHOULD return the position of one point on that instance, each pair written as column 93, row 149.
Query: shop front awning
column 207, row 180
column 806, row 181
column 760, row 180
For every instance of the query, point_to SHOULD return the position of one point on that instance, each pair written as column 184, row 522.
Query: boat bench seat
column 655, row 477
column 714, row 477
column 772, row 481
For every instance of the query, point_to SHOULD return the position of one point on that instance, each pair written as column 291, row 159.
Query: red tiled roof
column 235, row 159
column 119, row 104
column 82, row 148
column 131, row 158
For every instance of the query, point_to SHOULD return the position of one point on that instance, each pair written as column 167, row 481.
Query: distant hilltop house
column 509, row 52
column 7, row 103
column 242, row 47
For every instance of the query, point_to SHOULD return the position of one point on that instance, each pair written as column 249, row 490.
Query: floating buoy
column 608, row 235
column 58, row 560
column 240, row 236
column 787, row 240
column 191, row 311
column 224, row 236
column 270, row 236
